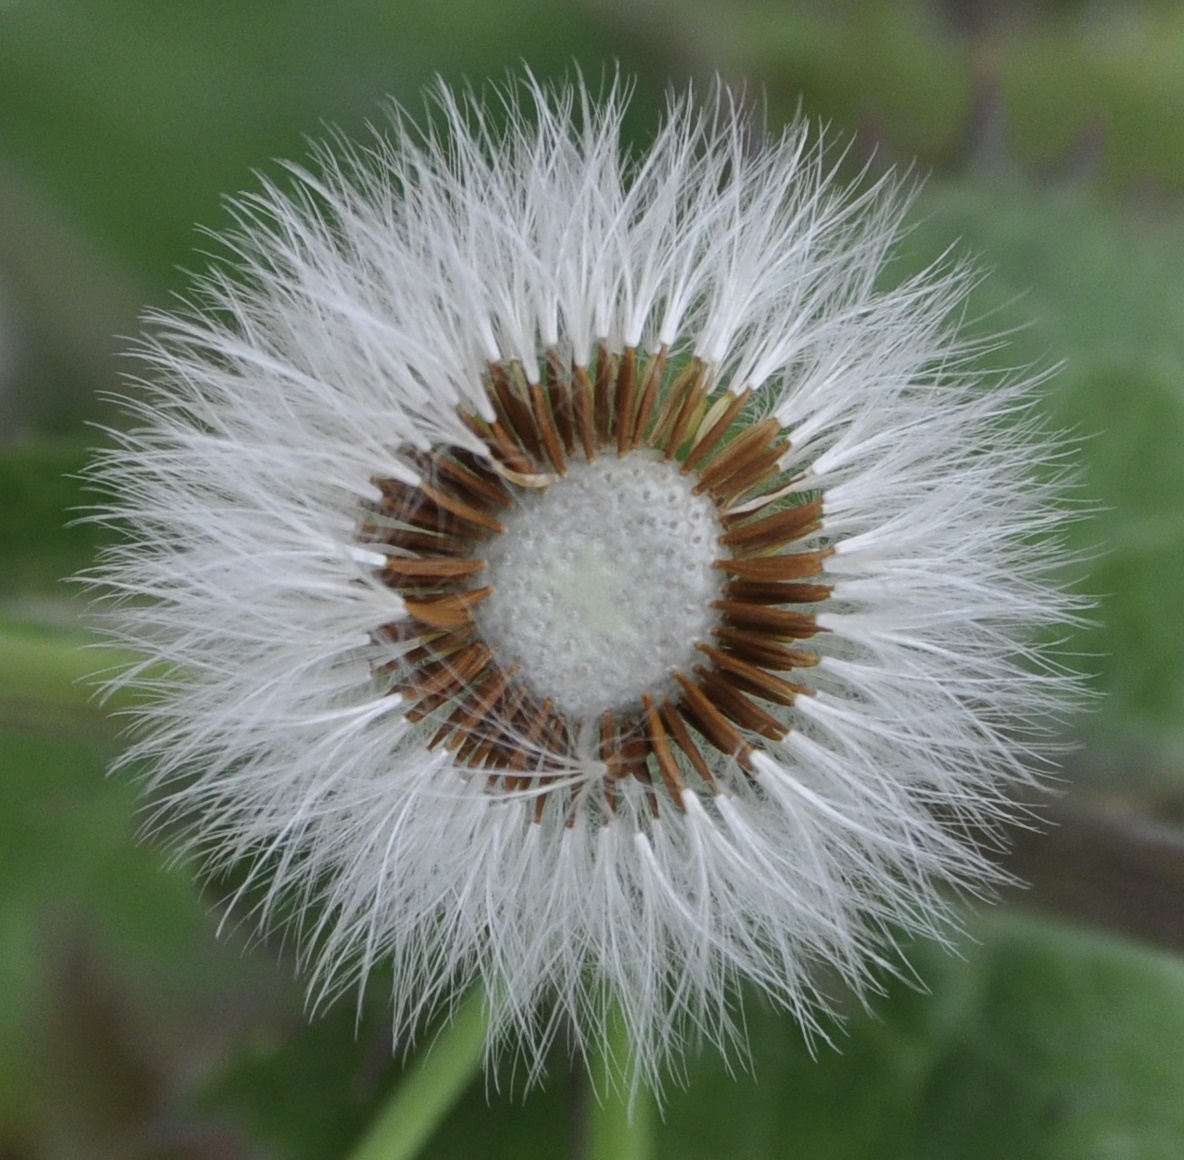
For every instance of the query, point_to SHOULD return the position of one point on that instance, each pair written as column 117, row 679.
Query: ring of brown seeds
column 486, row 715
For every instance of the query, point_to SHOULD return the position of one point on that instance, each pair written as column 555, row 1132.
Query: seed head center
column 603, row 583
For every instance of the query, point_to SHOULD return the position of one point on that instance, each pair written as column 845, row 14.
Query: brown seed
column 603, row 395
column 547, row 428
column 399, row 632
column 770, row 592
column 584, row 406
column 777, row 623
column 510, row 399
column 736, row 454
column 707, row 443
column 451, row 673
column 671, row 404
column 480, row 483
column 496, row 747
column 608, row 740
column 626, row 390
column 421, row 541
column 672, row 719
column 651, row 381
column 735, row 705
column 787, row 566
column 754, row 678
column 559, row 396
column 442, row 569
column 773, row 531
column 712, row 723
column 610, row 755
column 465, row 511
column 502, row 447
column 558, row 737
column 485, row 691
column 641, row 773
column 758, row 648
column 528, row 740
column 434, row 645
column 663, row 754
column 692, row 406
column 759, row 470
column 407, row 504
column 449, row 611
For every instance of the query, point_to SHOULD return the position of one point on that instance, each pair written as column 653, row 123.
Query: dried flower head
column 570, row 570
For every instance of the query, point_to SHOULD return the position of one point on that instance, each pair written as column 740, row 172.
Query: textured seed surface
column 603, row 586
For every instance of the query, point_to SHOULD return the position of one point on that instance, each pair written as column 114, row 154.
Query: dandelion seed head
column 568, row 570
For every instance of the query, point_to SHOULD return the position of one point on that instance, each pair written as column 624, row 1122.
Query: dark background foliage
column 1048, row 134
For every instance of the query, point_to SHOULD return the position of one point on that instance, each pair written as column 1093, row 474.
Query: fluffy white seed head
column 568, row 570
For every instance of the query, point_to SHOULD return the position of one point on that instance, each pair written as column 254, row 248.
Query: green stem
column 620, row 1124
column 432, row 1086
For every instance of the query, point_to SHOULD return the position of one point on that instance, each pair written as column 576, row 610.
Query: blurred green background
column 1050, row 134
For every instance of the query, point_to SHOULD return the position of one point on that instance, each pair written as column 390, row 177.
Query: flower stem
column 620, row 1119
column 431, row 1088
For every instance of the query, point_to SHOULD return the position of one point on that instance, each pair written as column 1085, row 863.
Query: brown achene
column 434, row 530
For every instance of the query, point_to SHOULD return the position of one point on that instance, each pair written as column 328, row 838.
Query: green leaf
column 1043, row 1043
column 1074, row 1051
